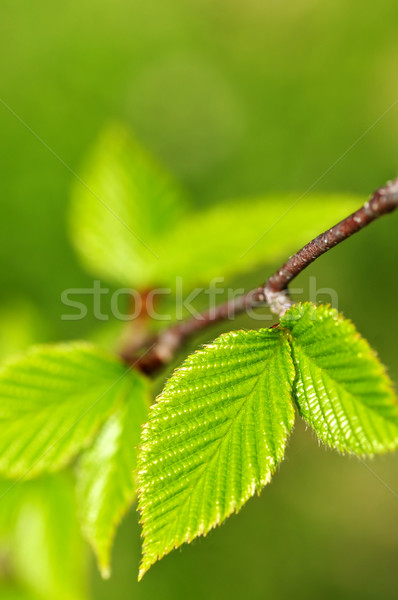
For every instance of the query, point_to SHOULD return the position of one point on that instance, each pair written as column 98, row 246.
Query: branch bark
column 274, row 291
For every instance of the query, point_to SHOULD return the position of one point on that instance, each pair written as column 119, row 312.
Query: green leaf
column 122, row 204
column 47, row 552
column 105, row 475
column 236, row 236
column 214, row 438
column 341, row 388
column 130, row 223
column 53, row 401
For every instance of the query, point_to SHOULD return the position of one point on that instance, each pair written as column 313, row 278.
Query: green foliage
column 341, row 388
column 53, row 402
column 125, row 203
column 246, row 62
column 214, row 438
column 130, row 224
column 105, row 476
column 219, row 429
column 244, row 233
column 45, row 552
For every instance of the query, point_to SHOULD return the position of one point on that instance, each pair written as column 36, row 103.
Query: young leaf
column 53, row 401
column 341, row 388
column 244, row 233
column 130, row 224
column 214, row 438
column 105, row 475
column 126, row 202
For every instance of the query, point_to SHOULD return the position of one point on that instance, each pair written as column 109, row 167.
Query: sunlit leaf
column 125, row 201
column 130, row 223
column 235, row 236
column 53, row 401
column 106, row 475
column 341, row 388
column 214, row 438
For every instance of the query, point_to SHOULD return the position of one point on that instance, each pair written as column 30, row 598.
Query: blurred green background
column 235, row 98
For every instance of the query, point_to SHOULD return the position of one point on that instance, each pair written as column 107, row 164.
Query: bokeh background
column 235, row 98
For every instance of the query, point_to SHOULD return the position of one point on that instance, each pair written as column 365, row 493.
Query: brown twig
column 274, row 292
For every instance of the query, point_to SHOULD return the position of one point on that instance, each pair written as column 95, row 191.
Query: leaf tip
column 144, row 568
column 104, row 562
column 105, row 570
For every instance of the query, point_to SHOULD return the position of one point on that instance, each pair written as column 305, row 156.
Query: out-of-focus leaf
column 47, row 555
column 106, row 476
column 129, row 222
column 341, row 388
column 53, row 401
column 214, row 438
column 233, row 237
column 125, row 202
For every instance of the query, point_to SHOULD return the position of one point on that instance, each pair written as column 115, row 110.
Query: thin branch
column 383, row 201
column 274, row 291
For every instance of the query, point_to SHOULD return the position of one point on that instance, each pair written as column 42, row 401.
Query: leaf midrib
column 245, row 400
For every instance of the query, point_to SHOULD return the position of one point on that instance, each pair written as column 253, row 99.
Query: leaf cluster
column 219, row 430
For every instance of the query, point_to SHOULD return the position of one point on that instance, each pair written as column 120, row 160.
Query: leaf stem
column 273, row 292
